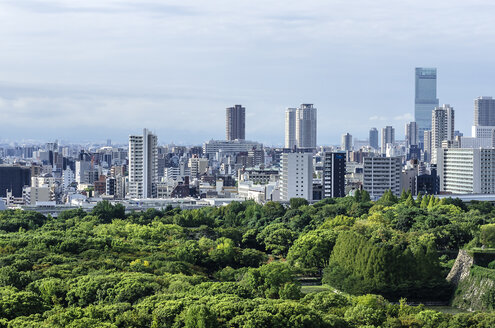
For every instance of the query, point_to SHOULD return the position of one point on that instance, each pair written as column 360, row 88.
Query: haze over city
column 92, row 70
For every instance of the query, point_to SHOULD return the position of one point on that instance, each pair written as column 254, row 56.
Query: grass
column 314, row 289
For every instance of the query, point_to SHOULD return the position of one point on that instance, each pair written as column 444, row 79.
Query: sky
column 103, row 69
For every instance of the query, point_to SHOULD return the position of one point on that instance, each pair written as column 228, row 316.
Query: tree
column 295, row 203
column 200, row 316
column 312, row 250
column 487, row 235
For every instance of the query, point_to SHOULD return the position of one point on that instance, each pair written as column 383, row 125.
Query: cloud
column 404, row 117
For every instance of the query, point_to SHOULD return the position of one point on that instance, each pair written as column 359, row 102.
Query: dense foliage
column 239, row 265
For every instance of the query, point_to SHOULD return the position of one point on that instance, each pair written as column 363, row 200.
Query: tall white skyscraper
column 290, row 128
column 306, row 126
column 143, row 165
column 388, row 137
column 442, row 128
column 300, row 127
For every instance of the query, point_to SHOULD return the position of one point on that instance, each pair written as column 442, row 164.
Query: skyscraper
column 388, row 137
column 235, row 123
column 442, row 128
column 411, row 134
column 374, row 138
column 484, row 111
column 143, row 165
column 306, row 126
column 300, row 127
column 425, row 99
column 346, row 142
column 290, row 128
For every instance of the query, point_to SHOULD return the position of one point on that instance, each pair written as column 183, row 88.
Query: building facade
column 484, row 111
column 425, row 99
column 442, row 128
column 296, row 179
column 334, row 169
column 388, row 137
column 466, row 171
column 290, row 128
column 381, row 174
column 235, row 123
column 143, row 165
column 346, row 142
column 373, row 138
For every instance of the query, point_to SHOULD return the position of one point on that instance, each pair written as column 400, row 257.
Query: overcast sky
column 98, row 69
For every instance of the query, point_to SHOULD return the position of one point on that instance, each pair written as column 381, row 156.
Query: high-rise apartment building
column 306, row 126
column 290, row 128
column 235, row 123
column 300, row 127
column 411, row 134
column 346, row 142
column 465, row 171
column 484, row 111
column 334, row 174
column 382, row 174
column 374, row 138
column 425, row 99
column 296, row 179
column 388, row 137
column 442, row 128
column 143, row 165
column 427, row 145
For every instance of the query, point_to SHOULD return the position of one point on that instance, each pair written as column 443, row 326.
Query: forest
column 242, row 265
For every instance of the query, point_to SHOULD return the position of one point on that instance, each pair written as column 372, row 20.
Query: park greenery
column 241, row 265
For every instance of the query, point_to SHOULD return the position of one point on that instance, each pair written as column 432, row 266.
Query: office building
column 465, row 171
column 334, row 166
column 374, row 138
column 290, row 128
column 381, row 174
column 296, row 179
column 411, row 134
column 347, row 142
column 388, row 137
column 484, row 111
column 235, row 123
column 143, row 165
column 425, row 99
column 13, row 179
column 442, row 128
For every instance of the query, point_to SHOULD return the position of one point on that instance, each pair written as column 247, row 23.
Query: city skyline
column 130, row 70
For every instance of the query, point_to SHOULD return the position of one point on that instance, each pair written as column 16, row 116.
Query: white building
column 465, row 171
column 306, row 126
column 296, row 178
column 143, row 165
column 381, row 174
column 68, row 178
column 290, row 128
column 212, row 147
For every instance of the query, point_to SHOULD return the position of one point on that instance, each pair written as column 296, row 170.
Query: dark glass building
column 14, row 178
